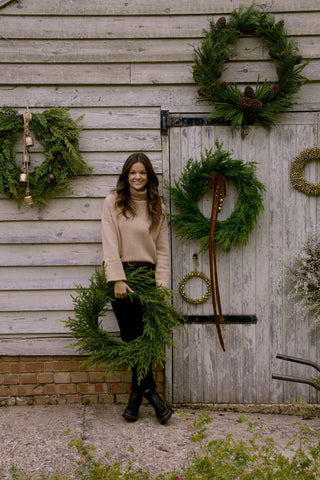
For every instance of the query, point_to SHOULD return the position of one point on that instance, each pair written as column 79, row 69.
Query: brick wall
column 36, row 380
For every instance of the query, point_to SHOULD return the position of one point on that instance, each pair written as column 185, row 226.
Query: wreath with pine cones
column 58, row 133
column 192, row 185
column 237, row 108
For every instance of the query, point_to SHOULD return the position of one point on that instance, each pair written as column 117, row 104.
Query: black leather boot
column 131, row 412
column 162, row 411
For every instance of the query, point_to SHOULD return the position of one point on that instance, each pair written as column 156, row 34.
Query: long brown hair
column 124, row 202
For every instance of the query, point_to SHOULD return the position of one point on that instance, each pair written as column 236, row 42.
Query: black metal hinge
column 239, row 319
column 178, row 120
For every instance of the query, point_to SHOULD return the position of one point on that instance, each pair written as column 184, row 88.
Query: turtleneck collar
column 137, row 195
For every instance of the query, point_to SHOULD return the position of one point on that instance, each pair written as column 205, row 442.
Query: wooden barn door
column 259, row 320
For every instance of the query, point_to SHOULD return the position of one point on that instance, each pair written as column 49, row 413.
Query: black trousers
column 129, row 315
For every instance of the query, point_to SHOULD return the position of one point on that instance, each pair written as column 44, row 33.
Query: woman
column 135, row 234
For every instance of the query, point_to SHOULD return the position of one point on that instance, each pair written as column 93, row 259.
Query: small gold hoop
column 182, row 284
column 296, row 173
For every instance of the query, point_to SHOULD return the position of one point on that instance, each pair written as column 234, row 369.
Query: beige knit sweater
column 129, row 239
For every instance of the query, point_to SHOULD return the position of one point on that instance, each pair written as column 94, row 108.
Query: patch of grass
column 242, row 419
column 199, row 423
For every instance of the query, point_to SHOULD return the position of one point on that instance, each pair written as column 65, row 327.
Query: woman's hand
column 121, row 289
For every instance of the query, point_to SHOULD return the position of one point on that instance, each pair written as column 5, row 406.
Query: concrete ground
column 37, row 439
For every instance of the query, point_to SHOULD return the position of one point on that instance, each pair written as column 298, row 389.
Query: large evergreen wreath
column 231, row 105
column 58, row 133
column 192, row 185
column 160, row 318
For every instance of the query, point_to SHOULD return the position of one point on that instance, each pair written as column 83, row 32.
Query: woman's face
column 137, row 176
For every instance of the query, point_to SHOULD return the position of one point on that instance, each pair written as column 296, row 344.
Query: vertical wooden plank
column 289, row 244
column 197, row 374
column 280, row 136
column 235, row 359
column 225, row 382
column 233, row 145
column 250, row 153
column 209, row 387
column 179, row 375
column 304, row 223
column 262, row 348
column 250, row 383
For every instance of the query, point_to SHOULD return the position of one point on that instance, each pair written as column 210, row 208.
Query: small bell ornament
column 29, row 141
column 220, row 202
column 26, row 158
column 28, row 199
column 23, row 176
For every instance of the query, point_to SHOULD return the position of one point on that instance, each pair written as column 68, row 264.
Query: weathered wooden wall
column 119, row 63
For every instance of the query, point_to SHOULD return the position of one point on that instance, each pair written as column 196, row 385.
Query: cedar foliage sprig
column 216, row 49
column 159, row 318
column 192, row 185
column 59, row 135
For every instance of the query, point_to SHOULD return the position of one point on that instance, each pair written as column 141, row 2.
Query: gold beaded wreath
column 296, row 173
column 182, row 284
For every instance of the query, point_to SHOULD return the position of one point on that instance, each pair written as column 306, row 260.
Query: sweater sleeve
column 110, row 242
column 163, row 254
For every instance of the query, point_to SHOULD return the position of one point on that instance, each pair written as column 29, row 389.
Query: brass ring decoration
column 296, row 173
column 182, row 284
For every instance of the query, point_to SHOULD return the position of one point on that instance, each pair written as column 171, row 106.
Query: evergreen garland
column 58, row 133
column 193, row 183
column 160, row 318
column 231, row 105
column 11, row 126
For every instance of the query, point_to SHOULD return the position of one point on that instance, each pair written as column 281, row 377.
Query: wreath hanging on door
column 231, row 105
column 193, row 183
column 296, row 172
column 58, row 133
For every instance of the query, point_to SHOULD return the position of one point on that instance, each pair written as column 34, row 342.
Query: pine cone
column 222, row 22
column 244, row 103
column 273, row 54
column 223, row 85
column 249, row 92
column 255, row 105
column 213, row 85
column 274, row 88
column 201, row 92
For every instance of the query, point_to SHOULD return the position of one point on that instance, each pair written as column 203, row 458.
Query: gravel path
column 35, row 439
